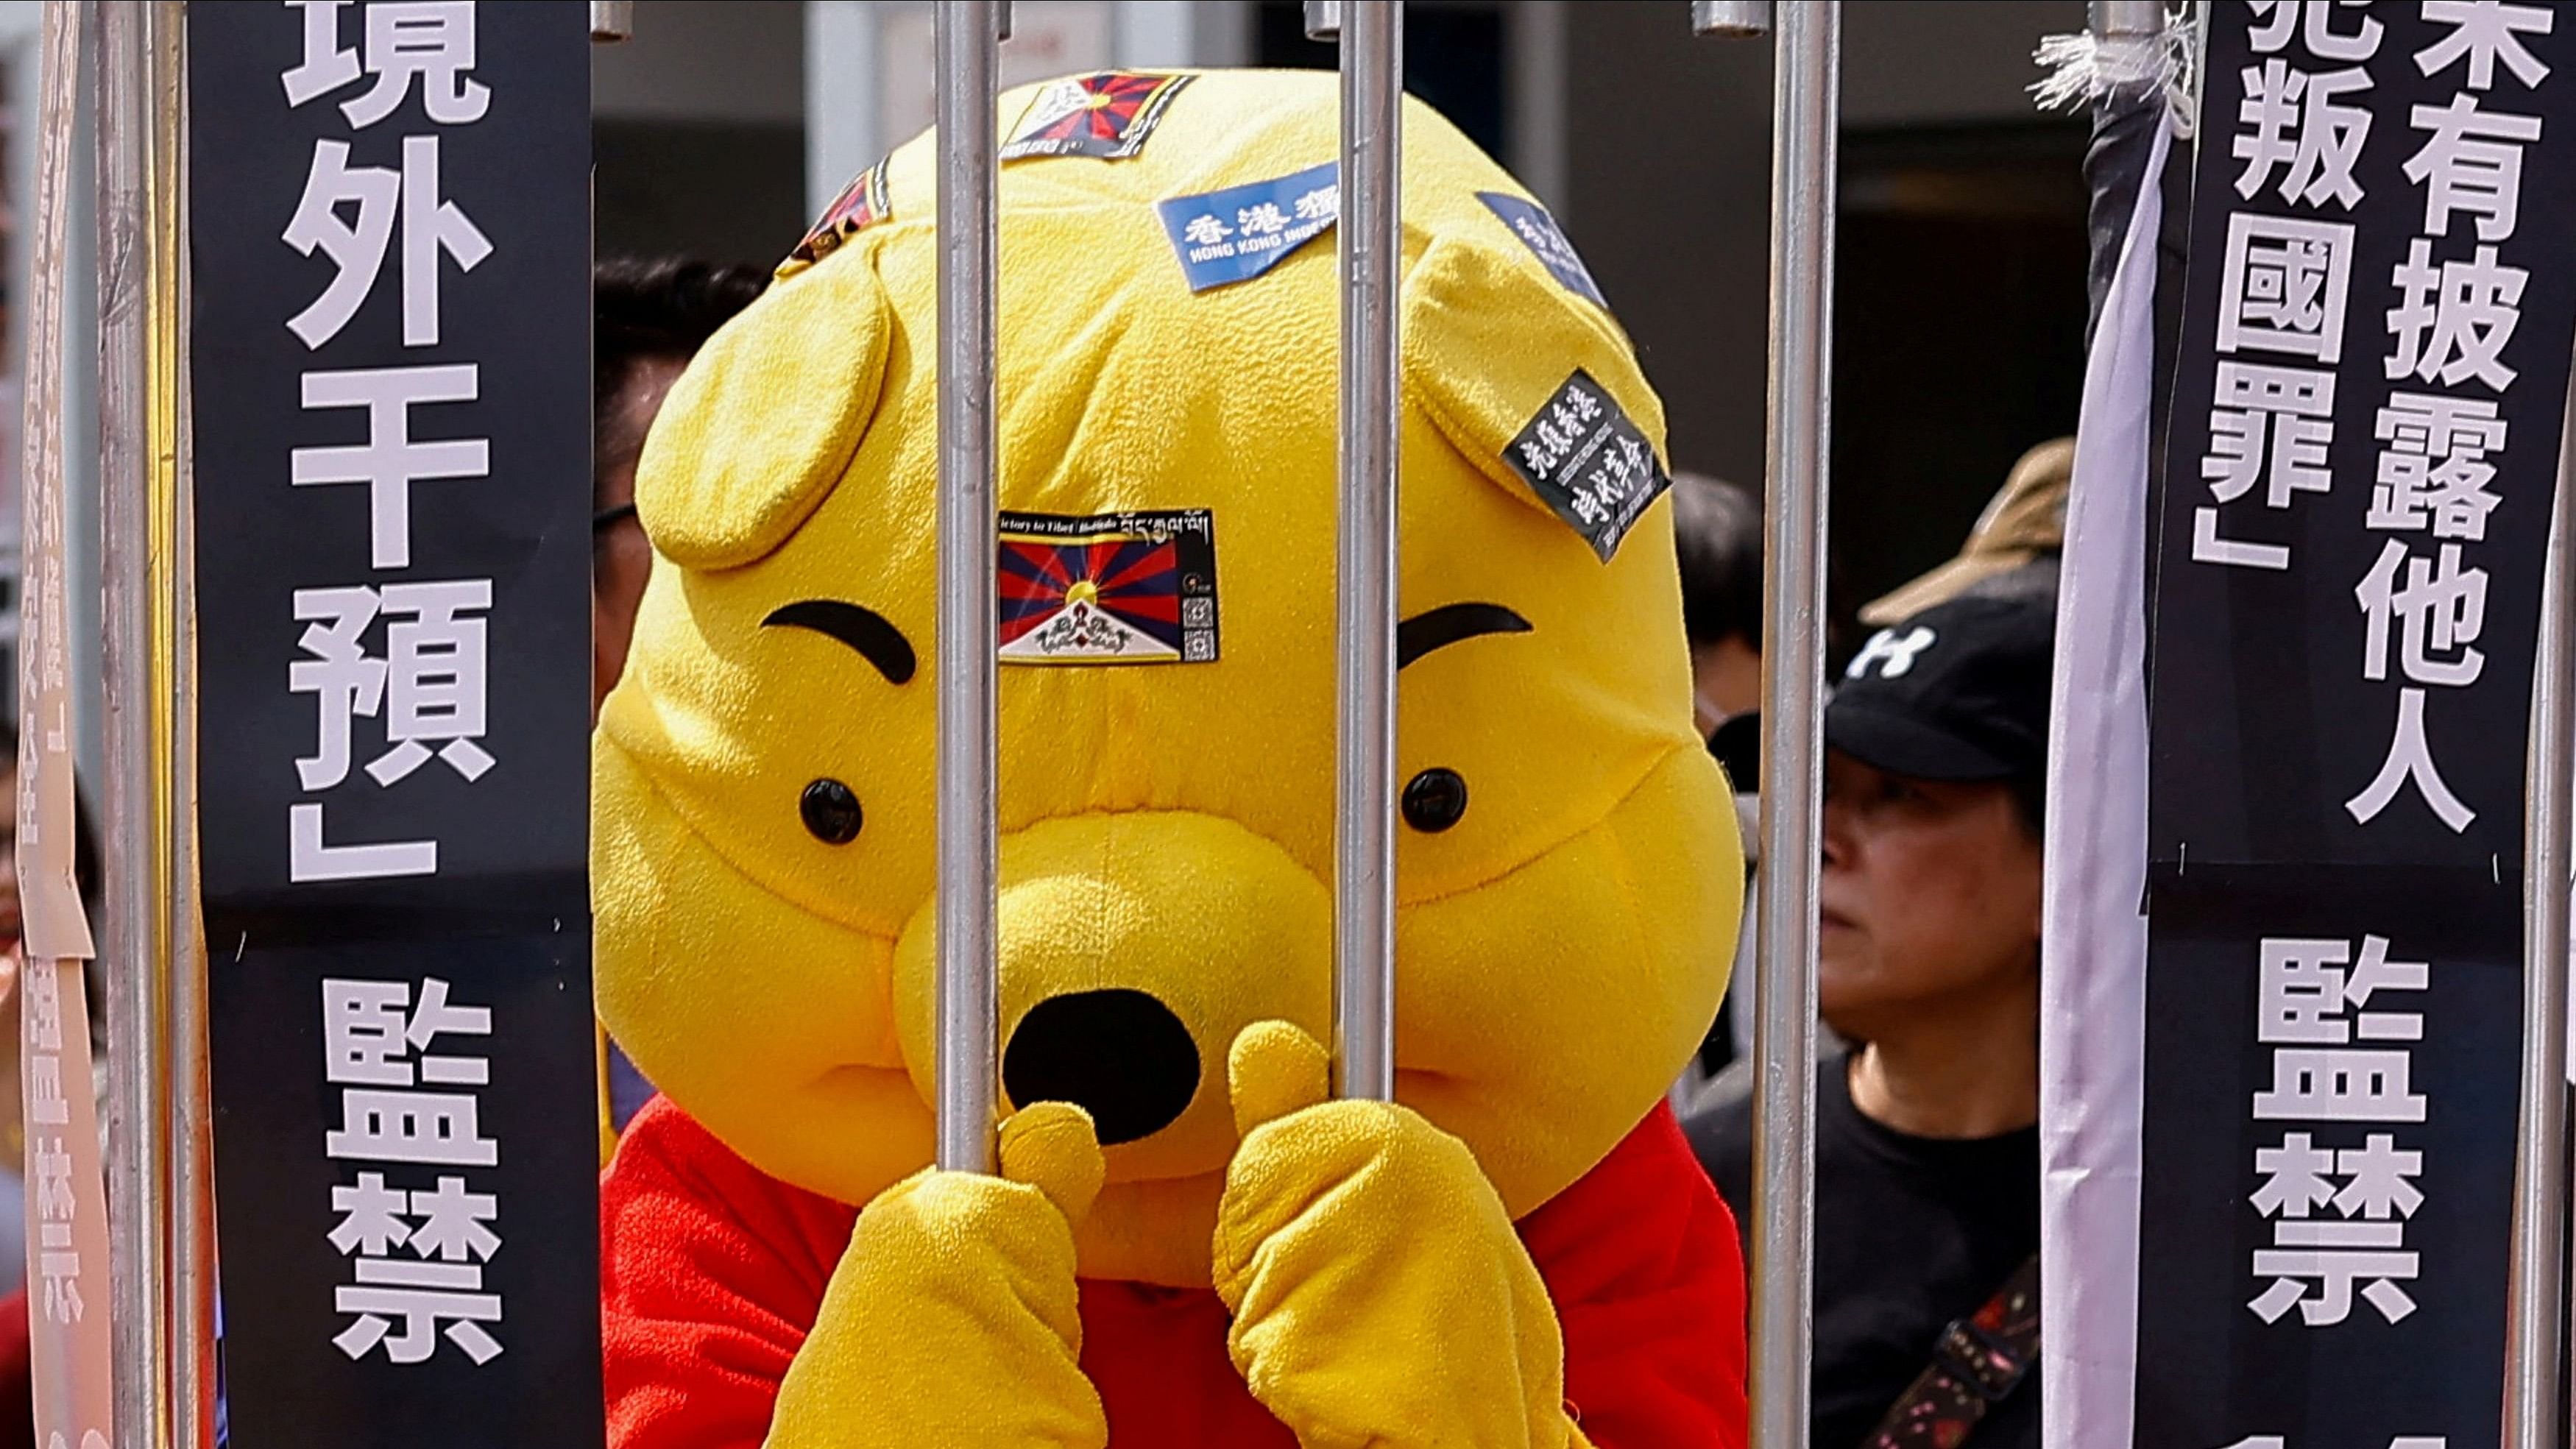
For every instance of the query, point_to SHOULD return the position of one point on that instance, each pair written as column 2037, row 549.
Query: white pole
column 1805, row 109
column 966, row 36
column 1372, row 38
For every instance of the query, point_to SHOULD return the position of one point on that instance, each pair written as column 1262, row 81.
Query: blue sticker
column 1239, row 233
column 1539, row 232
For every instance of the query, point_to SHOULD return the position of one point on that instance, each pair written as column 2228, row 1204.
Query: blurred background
column 723, row 126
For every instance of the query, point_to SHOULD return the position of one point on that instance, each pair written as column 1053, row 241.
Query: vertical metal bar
column 1323, row 19
column 967, row 36
column 190, row 1129
column 2125, row 19
column 140, row 1185
column 1364, row 762
column 2534, row 1356
column 1805, row 109
column 1731, row 17
column 611, row 20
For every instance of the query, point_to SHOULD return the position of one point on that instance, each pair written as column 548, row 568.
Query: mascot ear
column 763, row 423
column 1491, row 338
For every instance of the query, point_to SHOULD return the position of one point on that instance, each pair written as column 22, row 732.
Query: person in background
column 1927, row 1140
column 1717, row 538
column 652, row 316
column 1717, row 535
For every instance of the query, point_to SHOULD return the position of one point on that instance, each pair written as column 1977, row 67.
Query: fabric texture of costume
column 1171, row 1174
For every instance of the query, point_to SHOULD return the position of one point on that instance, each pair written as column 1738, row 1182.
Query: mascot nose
column 1119, row 1054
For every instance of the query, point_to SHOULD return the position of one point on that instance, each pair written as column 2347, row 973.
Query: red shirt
column 712, row 1274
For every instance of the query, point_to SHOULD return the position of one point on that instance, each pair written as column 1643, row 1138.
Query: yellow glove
column 1380, row 1296
column 952, row 1318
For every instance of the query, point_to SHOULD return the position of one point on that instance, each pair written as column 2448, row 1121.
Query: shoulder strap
column 1977, row 1362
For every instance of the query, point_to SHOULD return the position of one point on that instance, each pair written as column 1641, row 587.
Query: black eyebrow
column 865, row 630
column 1436, row 628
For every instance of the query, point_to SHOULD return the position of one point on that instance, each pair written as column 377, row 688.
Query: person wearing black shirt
column 1927, row 1142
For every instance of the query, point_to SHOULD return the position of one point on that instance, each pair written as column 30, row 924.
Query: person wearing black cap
column 1927, row 1143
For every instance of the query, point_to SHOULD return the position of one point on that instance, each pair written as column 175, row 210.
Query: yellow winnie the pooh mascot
column 1187, row 1245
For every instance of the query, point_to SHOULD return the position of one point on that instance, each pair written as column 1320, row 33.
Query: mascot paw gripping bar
column 1187, row 1245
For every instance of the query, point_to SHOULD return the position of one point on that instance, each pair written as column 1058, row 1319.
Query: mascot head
column 1567, row 870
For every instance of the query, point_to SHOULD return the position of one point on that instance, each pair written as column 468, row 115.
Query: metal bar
column 2534, row 1355
column 191, row 1335
column 1732, row 18
column 967, row 37
column 611, row 20
column 1364, row 760
column 2126, row 19
column 1323, row 19
column 1805, row 110
column 140, row 1185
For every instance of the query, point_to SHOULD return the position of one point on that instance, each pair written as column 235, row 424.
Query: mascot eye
column 831, row 812
column 1434, row 799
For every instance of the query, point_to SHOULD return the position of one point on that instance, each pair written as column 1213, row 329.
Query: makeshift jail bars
column 162, row 1286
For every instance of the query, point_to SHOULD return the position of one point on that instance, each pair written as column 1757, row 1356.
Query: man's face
column 620, row 558
column 1929, row 897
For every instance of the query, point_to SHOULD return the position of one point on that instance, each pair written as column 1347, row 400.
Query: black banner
column 2369, row 395
column 391, row 399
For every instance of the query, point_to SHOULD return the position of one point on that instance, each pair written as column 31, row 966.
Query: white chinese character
column 362, row 1033
column 2339, row 1084
column 430, row 226
column 1261, row 219
column 356, row 249
column 1324, row 203
column 2439, row 610
column 311, row 857
column 2335, row 1256
column 434, row 686
column 2465, row 166
column 2296, row 1177
column 431, row 1127
column 2378, row 1179
column 1586, row 406
column 327, row 64
column 422, row 1295
column 2375, row 972
column 371, row 1216
column 2485, row 32
column 2299, row 998
column 2284, row 285
column 341, row 678
column 1557, row 442
column 389, row 462
column 2283, row 415
column 453, row 1222
column 2434, row 470
column 2452, row 322
column 2410, row 757
column 433, row 1017
column 1206, row 231
column 429, row 39
column 2273, row 32
column 432, row 40
column 2327, row 141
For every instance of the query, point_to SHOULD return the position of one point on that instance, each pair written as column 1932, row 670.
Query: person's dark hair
column 653, row 308
column 1717, row 532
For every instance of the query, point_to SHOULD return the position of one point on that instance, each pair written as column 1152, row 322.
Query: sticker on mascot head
column 1588, row 463
column 861, row 204
column 1112, row 588
column 1237, row 234
column 1546, row 240
column 1108, row 115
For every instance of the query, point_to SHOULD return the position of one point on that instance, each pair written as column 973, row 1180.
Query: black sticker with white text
column 1589, row 463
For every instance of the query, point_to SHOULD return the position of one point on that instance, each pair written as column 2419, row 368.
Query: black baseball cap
column 1956, row 692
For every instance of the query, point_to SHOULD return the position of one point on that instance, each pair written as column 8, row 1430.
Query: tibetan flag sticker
column 861, row 204
column 1108, row 114
column 1112, row 588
